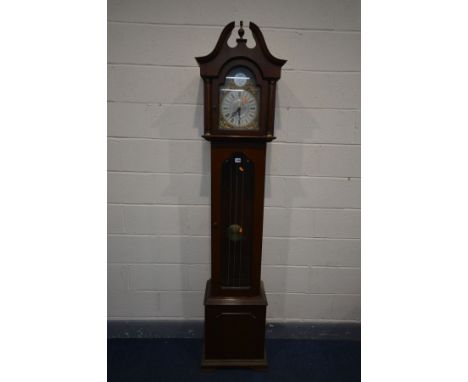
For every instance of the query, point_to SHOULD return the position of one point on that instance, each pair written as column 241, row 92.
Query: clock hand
column 240, row 106
column 235, row 112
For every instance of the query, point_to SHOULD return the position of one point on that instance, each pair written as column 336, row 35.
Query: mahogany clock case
column 235, row 300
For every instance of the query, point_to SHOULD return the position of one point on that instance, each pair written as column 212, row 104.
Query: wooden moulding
column 211, row 299
column 260, row 363
column 212, row 137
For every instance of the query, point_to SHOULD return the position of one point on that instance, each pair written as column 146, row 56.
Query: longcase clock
column 239, row 109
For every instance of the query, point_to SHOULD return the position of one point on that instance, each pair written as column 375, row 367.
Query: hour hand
column 235, row 112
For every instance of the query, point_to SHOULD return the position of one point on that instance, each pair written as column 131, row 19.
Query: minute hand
column 235, row 112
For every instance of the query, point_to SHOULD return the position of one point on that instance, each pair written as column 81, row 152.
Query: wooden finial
column 241, row 33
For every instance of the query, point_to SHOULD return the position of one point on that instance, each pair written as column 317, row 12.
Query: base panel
column 234, row 331
column 254, row 363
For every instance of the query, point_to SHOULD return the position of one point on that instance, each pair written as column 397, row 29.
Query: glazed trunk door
column 237, row 192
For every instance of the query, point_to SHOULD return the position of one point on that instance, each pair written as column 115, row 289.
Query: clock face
column 239, row 101
column 239, row 108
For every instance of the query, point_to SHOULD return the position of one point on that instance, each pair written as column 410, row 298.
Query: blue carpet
column 154, row 360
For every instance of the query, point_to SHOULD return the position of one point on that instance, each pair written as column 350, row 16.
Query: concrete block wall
column 159, row 181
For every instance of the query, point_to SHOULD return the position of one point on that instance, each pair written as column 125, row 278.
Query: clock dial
column 239, row 101
column 239, row 108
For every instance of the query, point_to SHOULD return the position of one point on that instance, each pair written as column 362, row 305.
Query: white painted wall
column 158, row 181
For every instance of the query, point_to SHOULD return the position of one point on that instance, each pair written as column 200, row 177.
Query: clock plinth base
column 234, row 330
column 259, row 364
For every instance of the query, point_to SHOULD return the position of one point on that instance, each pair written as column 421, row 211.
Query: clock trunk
column 237, row 194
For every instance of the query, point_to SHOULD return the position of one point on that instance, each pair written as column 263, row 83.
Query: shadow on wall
column 277, row 299
column 191, row 301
